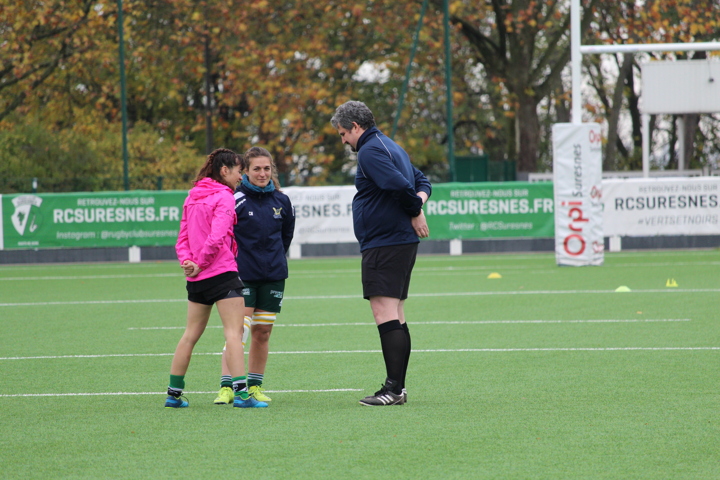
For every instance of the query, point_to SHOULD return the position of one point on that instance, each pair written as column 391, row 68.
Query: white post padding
column 295, row 251
column 577, row 186
column 456, row 246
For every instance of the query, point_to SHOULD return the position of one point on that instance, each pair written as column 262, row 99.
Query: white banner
column 322, row 214
column 577, row 181
column 662, row 206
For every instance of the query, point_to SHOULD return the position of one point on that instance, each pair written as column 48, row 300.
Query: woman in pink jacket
column 206, row 250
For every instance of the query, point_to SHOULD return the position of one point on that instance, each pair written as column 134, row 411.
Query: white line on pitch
column 331, row 390
column 439, row 350
column 92, row 277
column 442, row 322
column 358, row 296
column 471, row 269
column 93, row 302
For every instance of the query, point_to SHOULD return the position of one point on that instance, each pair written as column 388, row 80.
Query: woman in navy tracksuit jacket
column 264, row 230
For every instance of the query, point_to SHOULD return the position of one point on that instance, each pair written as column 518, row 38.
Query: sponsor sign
column 490, row 210
column 577, row 183
column 662, row 206
column 322, row 214
column 108, row 219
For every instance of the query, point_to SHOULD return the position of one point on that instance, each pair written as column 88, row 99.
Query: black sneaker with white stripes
column 384, row 396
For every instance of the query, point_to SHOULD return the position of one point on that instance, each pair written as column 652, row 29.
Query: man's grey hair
column 353, row 111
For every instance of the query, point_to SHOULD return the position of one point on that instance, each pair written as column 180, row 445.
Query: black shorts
column 210, row 290
column 386, row 270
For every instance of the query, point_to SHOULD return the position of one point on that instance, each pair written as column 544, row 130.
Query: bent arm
column 288, row 227
column 419, row 222
column 182, row 246
column 223, row 219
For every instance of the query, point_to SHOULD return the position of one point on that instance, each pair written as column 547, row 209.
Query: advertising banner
column 103, row 219
column 577, row 183
column 490, row 210
column 322, row 214
column 662, row 206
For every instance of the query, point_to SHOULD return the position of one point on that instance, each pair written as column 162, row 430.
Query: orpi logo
column 595, row 138
column 26, row 218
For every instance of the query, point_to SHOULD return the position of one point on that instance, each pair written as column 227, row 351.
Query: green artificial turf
column 544, row 373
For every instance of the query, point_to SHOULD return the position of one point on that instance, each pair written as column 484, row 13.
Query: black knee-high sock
column 407, row 355
column 394, row 344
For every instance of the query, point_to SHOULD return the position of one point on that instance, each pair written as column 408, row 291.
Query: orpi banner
column 490, row 210
column 662, row 206
column 577, row 182
column 104, row 219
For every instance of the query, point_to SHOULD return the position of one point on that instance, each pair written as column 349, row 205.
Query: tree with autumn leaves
column 272, row 73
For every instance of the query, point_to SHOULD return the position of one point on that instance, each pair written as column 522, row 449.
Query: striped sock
column 240, row 387
column 226, row 381
column 255, row 379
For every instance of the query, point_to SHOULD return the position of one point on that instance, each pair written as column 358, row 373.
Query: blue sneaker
column 249, row 403
column 175, row 402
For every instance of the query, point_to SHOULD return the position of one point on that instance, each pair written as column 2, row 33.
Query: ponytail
column 218, row 158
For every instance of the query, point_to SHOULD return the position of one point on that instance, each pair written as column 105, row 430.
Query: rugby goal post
column 577, row 157
column 689, row 77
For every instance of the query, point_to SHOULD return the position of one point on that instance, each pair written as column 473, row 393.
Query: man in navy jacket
column 388, row 221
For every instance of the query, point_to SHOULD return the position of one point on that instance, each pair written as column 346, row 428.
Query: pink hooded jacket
column 206, row 229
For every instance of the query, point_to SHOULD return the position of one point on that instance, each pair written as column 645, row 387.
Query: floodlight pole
column 448, row 93
column 208, row 89
column 416, row 37
column 123, row 96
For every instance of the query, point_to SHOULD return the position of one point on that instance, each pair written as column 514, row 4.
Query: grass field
column 545, row 373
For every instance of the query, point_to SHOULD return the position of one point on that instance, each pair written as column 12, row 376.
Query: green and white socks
column 239, row 385
column 255, row 379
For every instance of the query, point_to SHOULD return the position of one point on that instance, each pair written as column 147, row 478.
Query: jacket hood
column 206, row 187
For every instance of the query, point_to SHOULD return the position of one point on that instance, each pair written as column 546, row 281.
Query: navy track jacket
column 386, row 199
column 264, row 230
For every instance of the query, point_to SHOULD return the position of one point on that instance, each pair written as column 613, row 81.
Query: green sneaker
column 225, row 396
column 256, row 391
